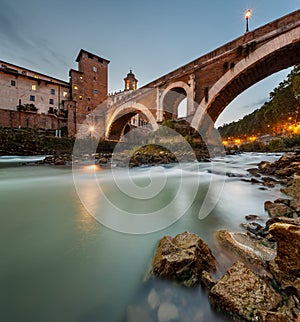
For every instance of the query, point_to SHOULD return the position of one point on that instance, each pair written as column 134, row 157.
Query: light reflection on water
column 59, row 264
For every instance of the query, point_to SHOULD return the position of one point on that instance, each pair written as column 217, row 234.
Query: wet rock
column 278, row 209
column 285, row 220
column 246, row 248
column 254, row 172
column 242, row 293
column 294, row 191
column 286, row 266
column 253, row 217
column 283, row 200
column 207, row 280
column 253, row 180
column 267, row 316
column 182, row 259
column 287, row 237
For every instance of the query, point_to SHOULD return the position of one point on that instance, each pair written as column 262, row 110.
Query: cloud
column 255, row 104
column 11, row 23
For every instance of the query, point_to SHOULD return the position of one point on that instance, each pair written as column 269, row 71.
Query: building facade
column 32, row 99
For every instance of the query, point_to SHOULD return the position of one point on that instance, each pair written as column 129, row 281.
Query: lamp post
column 247, row 16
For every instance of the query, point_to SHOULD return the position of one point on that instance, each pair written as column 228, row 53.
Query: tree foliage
column 275, row 115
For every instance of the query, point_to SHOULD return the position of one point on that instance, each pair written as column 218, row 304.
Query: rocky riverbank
column 263, row 281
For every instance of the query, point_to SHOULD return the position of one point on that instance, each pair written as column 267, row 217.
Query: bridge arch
column 122, row 115
column 173, row 95
column 277, row 54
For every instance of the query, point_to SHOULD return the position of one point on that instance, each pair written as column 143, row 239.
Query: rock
column 256, row 229
column 246, row 248
column 242, row 293
column 267, row 316
column 59, row 162
column 167, row 312
column 182, row 259
column 253, row 217
column 278, row 209
column 294, row 191
column 286, row 281
column 285, row 220
column 254, row 172
column 283, row 200
column 287, row 237
column 207, row 280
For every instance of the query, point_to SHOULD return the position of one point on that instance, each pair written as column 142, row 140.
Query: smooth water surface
column 58, row 263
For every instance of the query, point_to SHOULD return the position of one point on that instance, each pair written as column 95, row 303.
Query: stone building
column 32, row 99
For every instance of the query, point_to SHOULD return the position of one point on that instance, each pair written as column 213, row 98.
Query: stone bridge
column 211, row 82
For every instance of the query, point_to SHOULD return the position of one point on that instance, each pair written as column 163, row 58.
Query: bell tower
column 130, row 82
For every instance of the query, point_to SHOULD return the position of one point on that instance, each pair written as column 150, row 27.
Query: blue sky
column 151, row 37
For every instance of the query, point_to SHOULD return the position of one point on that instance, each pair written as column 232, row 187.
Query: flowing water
column 59, row 263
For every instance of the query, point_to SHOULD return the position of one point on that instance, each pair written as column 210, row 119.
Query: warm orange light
column 225, row 143
column 252, row 138
column 248, row 13
column 91, row 128
column 237, row 141
column 290, row 118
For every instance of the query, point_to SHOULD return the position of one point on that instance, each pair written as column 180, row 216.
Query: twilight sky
column 151, row 37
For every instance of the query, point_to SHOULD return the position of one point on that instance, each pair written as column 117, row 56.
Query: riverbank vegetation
column 278, row 116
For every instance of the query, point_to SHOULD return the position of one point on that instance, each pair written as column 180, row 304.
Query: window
column 65, row 94
column 33, row 87
column 75, row 87
column 32, row 98
column 89, row 99
column 51, row 101
column 80, row 97
column 89, row 108
column 95, row 69
column 36, row 76
column 95, row 91
column 13, row 83
column 52, row 91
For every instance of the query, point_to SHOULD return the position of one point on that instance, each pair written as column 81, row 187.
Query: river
column 64, row 259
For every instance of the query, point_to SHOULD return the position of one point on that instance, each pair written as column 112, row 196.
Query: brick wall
column 15, row 119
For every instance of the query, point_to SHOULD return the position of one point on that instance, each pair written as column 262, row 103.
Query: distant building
column 31, row 99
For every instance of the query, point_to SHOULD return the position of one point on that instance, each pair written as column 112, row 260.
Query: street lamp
column 247, row 16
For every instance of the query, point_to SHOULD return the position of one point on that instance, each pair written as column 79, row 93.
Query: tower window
column 80, row 97
column 95, row 91
column 51, row 101
column 13, row 83
column 52, row 91
column 65, row 94
column 75, row 87
column 33, row 87
column 32, row 98
column 95, row 69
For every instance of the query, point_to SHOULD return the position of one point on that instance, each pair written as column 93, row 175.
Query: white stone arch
column 130, row 106
column 260, row 53
column 189, row 90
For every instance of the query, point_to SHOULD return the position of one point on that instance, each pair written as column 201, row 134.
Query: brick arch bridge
column 211, row 82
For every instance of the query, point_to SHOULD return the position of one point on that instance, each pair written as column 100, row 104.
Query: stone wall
column 15, row 119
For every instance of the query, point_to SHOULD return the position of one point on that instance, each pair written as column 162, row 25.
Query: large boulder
column 242, row 293
column 287, row 237
column 286, row 266
column 183, row 259
column 294, row 191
